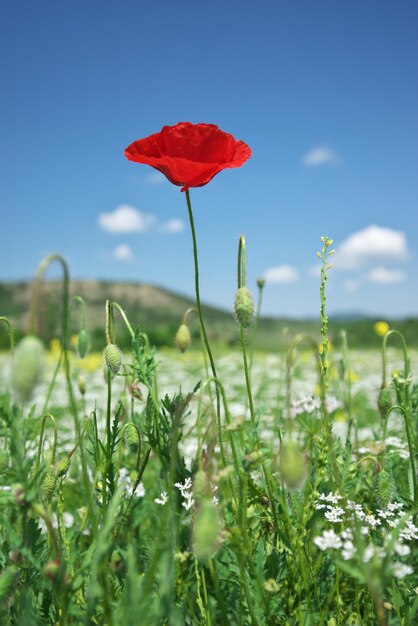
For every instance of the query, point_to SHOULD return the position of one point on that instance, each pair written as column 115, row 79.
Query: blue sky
column 325, row 93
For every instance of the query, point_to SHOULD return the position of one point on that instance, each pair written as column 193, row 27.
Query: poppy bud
column 291, row 465
column 201, row 485
column 113, row 358
column 83, row 343
column 261, row 282
column 4, row 459
column 244, row 307
column 63, row 466
column 8, row 578
column 48, row 484
column 27, row 366
column 132, row 436
column 81, row 385
column 384, row 402
column 206, row 532
column 183, row 338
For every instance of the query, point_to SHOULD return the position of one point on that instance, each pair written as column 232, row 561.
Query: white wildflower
column 328, row 539
column 402, row 549
column 163, row 499
column 400, row 570
column 335, row 515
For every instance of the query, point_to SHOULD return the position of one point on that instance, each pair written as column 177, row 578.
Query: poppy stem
column 199, row 312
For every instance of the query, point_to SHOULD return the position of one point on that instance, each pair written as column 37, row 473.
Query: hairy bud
column 244, row 307
column 83, row 343
column 27, row 367
column 48, row 484
column 183, row 338
column 206, row 532
column 113, row 358
column 131, row 436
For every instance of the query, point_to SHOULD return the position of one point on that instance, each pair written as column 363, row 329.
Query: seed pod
column 4, row 459
column 183, row 338
column 206, row 532
column 8, row 578
column 261, row 282
column 113, row 358
column 384, row 402
column 63, row 466
column 83, row 343
column 132, row 436
column 27, row 367
column 244, row 307
column 48, row 484
column 291, row 465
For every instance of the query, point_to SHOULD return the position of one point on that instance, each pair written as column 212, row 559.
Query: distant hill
column 159, row 312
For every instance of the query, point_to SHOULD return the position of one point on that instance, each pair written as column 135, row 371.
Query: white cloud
column 281, row 275
column 383, row 276
column 123, row 252
column 319, row 156
column 351, row 285
column 173, row 226
column 156, row 178
column 374, row 244
column 315, row 271
column 125, row 219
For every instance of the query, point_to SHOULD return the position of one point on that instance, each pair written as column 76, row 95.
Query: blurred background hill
column 159, row 313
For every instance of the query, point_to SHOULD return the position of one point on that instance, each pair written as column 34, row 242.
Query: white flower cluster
column 163, row 499
column 383, row 520
column 186, row 493
column 310, row 404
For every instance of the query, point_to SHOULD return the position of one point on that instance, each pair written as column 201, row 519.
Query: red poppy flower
column 190, row 155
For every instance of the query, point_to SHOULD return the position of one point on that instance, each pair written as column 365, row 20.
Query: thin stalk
column 41, row 439
column 198, row 302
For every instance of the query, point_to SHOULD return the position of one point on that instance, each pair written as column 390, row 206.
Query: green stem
column 41, row 439
column 10, row 331
column 199, row 306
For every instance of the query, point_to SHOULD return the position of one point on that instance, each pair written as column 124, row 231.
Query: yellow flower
column 381, row 328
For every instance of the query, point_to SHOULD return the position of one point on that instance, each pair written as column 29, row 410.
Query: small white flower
column 402, row 549
column 372, row 521
column 163, row 499
column 400, row 570
column 328, row 539
column 348, row 550
column 139, row 491
column 335, row 515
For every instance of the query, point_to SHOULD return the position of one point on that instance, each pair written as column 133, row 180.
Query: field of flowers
column 206, row 487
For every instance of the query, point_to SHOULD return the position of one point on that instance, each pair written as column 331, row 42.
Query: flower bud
column 201, row 486
column 81, row 385
column 113, row 358
column 244, row 307
column 63, row 466
column 183, row 338
column 206, row 532
column 48, row 484
column 83, row 343
column 131, row 436
column 261, row 282
column 384, row 402
column 291, row 465
column 27, row 366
